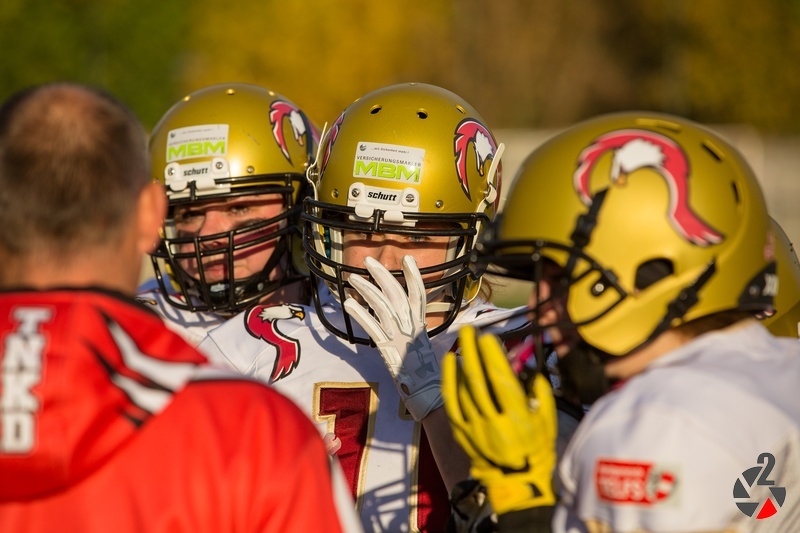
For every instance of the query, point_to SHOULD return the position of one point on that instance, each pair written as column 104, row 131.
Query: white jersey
column 193, row 327
column 347, row 390
column 707, row 438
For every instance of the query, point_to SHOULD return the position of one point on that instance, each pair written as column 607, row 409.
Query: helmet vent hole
column 735, row 188
column 713, row 150
column 653, row 271
column 422, row 114
column 461, row 109
column 375, row 110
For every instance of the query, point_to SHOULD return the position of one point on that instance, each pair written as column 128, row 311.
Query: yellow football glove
column 508, row 435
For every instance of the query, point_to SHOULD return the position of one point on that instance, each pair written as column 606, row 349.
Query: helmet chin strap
column 437, row 307
column 246, row 288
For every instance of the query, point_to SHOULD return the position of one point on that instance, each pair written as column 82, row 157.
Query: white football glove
column 400, row 332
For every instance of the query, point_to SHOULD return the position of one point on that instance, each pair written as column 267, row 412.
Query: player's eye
column 238, row 209
column 188, row 216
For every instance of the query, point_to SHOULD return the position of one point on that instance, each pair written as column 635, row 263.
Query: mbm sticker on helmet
column 207, row 140
column 388, row 162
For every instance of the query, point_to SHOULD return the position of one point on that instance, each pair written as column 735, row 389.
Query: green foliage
column 130, row 48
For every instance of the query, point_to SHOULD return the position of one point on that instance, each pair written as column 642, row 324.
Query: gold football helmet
column 655, row 221
column 784, row 320
column 221, row 142
column 409, row 159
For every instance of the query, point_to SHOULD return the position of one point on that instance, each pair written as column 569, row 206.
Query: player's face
column 390, row 248
column 553, row 309
column 218, row 216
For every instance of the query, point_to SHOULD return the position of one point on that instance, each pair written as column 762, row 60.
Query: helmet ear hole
column 653, row 271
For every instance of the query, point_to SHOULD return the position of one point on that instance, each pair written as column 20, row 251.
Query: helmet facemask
column 446, row 283
column 570, row 268
column 177, row 257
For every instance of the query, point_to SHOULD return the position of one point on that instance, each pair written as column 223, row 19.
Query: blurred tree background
column 523, row 63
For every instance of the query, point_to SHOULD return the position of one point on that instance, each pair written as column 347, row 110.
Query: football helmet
column 784, row 321
column 412, row 160
column 227, row 141
column 655, row 221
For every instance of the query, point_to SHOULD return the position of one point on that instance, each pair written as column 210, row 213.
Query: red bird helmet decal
column 470, row 131
column 635, row 149
column 301, row 128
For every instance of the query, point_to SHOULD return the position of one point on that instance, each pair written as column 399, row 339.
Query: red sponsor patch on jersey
column 632, row 482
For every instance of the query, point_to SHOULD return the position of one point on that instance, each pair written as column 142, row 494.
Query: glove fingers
column 378, row 302
column 466, row 372
column 474, row 423
column 475, row 372
column 504, row 387
column 457, row 398
column 451, row 390
column 416, row 289
column 393, row 292
column 362, row 316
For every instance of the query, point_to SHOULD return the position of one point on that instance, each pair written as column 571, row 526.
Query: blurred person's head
column 76, row 203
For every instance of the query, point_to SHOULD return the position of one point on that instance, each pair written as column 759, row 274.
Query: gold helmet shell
column 223, row 139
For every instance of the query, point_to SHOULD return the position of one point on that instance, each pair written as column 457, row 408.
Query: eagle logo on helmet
column 280, row 110
column 637, row 149
column 470, row 131
column 261, row 323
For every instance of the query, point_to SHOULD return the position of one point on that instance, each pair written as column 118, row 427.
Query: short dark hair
column 72, row 162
